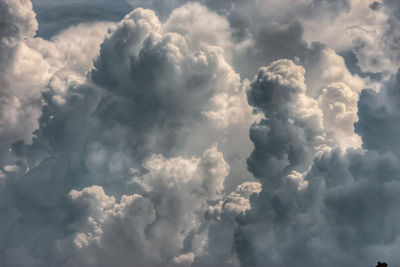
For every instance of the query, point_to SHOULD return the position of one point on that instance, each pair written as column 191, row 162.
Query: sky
column 226, row 133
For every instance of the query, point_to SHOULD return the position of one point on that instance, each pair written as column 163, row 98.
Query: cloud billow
column 149, row 142
column 342, row 208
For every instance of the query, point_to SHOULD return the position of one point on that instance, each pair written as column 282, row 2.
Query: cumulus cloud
column 102, row 126
column 29, row 65
column 18, row 109
column 333, row 205
column 149, row 141
column 367, row 28
column 158, row 225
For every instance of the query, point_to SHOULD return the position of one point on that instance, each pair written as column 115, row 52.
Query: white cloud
column 31, row 64
column 156, row 224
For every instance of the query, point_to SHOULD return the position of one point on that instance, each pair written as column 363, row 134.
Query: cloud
column 166, row 81
column 337, row 209
column 31, row 64
column 102, row 126
column 151, row 229
column 125, row 143
column 291, row 131
column 18, row 110
column 369, row 32
column 192, row 19
column 55, row 16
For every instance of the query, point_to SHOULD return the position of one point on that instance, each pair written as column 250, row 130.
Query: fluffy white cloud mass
column 199, row 133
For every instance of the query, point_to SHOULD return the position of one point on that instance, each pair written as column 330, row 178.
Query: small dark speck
column 375, row 6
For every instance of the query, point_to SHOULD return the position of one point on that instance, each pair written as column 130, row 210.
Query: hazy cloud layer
column 56, row 15
column 205, row 133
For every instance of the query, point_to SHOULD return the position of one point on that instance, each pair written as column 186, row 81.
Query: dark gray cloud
column 379, row 112
column 55, row 16
column 340, row 211
column 284, row 140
